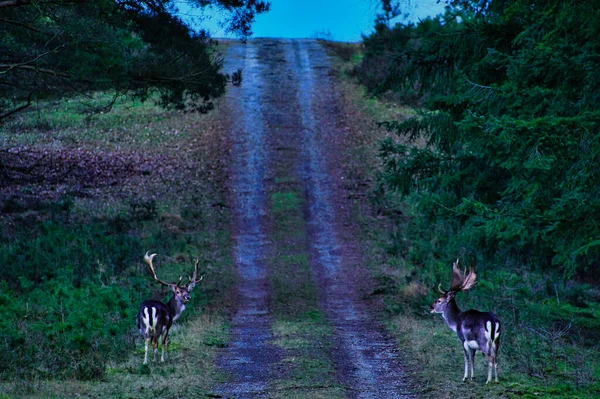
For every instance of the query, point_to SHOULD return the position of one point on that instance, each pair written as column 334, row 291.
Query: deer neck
column 452, row 314
column 176, row 307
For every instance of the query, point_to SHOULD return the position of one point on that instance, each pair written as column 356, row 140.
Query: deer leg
column 490, row 366
column 496, row 370
column 155, row 346
column 469, row 358
column 164, row 343
column 466, row 351
column 472, row 361
column 146, row 354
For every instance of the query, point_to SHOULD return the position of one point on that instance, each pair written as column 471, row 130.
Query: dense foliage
column 63, row 309
column 508, row 140
column 54, row 48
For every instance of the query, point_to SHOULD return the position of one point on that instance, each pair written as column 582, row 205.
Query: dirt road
column 284, row 123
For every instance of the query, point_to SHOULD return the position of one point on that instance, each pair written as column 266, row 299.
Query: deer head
column 461, row 281
column 181, row 293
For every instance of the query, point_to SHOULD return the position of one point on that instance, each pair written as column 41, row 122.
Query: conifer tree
column 510, row 97
column 54, row 48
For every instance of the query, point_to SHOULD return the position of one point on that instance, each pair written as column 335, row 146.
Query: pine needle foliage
column 51, row 49
column 510, row 121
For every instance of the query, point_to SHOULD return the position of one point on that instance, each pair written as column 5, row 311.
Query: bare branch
column 25, row 64
column 34, row 69
column 478, row 85
column 18, row 3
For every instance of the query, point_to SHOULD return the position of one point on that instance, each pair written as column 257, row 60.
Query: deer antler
column 148, row 258
column 458, row 276
column 469, row 281
column 193, row 280
column 439, row 289
column 461, row 281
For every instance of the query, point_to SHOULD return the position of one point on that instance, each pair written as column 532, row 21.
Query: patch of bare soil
column 49, row 173
column 310, row 119
column 33, row 176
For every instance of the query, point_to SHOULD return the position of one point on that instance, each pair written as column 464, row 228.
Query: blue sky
column 341, row 20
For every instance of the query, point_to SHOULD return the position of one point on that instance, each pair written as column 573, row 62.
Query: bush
column 42, row 251
column 65, row 331
column 65, row 296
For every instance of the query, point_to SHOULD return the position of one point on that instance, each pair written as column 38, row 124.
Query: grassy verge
column 86, row 196
column 548, row 348
column 300, row 328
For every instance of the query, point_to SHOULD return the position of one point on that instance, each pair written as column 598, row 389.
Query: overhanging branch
column 33, row 69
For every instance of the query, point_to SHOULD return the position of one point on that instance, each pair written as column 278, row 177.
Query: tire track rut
column 249, row 358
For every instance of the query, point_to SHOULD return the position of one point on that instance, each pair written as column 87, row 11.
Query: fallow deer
column 476, row 330
column 155, row 318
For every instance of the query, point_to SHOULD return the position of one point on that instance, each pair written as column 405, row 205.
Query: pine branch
column 23, row 24
column 478, row 85
column 32, row 68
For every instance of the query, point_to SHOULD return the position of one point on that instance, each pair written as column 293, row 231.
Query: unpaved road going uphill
column 286, row 113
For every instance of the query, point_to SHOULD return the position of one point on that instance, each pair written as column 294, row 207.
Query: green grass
column 187, row 372
column 282, row 202
column 300, row 328
column 86, row 111
column 299, row 333
column 130, row 125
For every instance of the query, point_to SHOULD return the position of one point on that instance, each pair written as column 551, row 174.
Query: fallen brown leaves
column 79, row 166
column 173, row 167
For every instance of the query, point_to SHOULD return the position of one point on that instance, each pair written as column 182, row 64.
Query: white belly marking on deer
column 471, row 344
